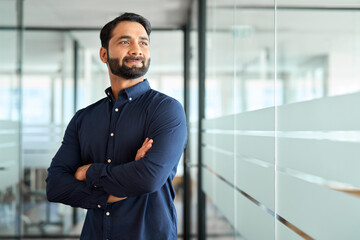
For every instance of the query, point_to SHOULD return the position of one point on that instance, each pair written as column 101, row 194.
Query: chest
column 115, row 133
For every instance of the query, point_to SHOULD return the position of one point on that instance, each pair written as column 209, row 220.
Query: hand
column 144, row 148
column 112, row 199
column 80, row 173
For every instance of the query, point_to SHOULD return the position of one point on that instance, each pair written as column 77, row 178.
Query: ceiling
column 94, row 14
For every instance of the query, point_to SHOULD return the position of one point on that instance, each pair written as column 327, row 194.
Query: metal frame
column 202, row 72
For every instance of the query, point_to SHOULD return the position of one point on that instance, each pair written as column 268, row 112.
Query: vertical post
column 202, row 49
column 76, row 73
column 19, row 73
column 186, row 180
column 75, row 76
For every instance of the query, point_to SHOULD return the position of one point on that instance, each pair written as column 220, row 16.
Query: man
column 120, row 154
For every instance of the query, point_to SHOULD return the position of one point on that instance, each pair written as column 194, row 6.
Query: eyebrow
column 129, row 37
column 144, row 38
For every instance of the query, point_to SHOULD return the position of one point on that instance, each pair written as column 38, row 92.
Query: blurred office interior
column 270, row 90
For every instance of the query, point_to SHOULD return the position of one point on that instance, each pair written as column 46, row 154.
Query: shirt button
column 112, row 134
column 109, row 160
column 116, row 109
column 107, row 213
column 130, row 99
column 99, row 206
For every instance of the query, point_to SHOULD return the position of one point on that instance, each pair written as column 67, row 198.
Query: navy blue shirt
column 108, row 134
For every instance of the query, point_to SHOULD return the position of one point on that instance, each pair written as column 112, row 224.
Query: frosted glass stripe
column 258, row 147
column 215, row 191
column 208, row 183
column 311, row 115
column 224, row 166
column 320, row 212
column 37, row 160
column 224, row 123
column 220, row 140
column 257, row 181
column 208, row 157
column 251, row 221
column 330, row 160
column 224, row 199
column 34, row 145
column 9, row 152
column 9, row 174
column 6, row 138
column 329, row 113
column 284, row 233
column 9, row 124
column 260, row 120
column 220, row 162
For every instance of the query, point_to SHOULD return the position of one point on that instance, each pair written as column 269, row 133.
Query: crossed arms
column 80, row 173
column 96, row 184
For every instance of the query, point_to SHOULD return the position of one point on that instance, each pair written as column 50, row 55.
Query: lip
column 134, row 62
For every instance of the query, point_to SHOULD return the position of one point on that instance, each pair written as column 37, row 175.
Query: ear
column 103, row 55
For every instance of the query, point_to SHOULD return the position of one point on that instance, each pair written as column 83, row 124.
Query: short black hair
column 107, row 30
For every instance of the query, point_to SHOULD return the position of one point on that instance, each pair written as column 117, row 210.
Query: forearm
column 139, row 177
column 62, row 187
column 169, row 132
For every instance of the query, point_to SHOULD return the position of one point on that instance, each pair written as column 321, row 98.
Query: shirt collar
column 132, row 92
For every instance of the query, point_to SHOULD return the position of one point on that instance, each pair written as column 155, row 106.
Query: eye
column 144, row 43
column 124, row 42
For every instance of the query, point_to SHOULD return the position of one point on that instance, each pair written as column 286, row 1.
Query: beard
column 126, row 72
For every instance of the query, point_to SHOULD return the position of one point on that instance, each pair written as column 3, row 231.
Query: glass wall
column 318, row 54
column 10, row 127
column 48, row 99
column 280, row 137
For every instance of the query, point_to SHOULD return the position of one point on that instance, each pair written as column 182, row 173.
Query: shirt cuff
column 99, row 200
column 93, row 175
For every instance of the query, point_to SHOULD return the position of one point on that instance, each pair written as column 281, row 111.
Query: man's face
column 128, row 52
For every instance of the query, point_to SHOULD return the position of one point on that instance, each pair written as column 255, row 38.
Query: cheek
column 147, row 55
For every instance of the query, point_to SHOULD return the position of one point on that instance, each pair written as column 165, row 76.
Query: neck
column 118, row 83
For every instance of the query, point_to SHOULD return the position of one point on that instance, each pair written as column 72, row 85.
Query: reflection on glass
column 9, row 121
column 317, row 148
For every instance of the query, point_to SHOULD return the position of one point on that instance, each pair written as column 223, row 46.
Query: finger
column 146, row 140
column 147, row 147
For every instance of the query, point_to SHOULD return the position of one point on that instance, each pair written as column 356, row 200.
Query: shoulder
column 165, row 111
column 161, row 102
column 95, row 108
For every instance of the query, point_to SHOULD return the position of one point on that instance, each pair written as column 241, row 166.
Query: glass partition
column 48, row 104
column 318, row 132
column 10, row 118
column 280, row 137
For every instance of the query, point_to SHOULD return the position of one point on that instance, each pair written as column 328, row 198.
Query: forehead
column 133, row 29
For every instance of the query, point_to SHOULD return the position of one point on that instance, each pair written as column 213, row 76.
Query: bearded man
column 119, row 155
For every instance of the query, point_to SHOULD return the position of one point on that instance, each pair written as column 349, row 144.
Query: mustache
column 134, row 59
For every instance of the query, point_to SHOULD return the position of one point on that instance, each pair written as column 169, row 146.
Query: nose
column 135, row 50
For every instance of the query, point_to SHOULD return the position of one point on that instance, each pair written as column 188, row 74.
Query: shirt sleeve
column 169, row 132
column 61, row 185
